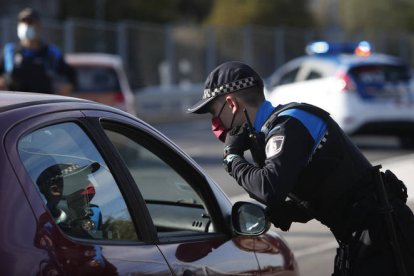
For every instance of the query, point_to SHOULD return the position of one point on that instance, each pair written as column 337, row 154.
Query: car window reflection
column 76, row 185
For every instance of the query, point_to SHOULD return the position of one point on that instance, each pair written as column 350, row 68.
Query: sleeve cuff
column 228, row 160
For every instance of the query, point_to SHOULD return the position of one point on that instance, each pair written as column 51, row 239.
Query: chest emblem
column 274, row 146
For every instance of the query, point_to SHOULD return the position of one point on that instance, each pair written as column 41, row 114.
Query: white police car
column 366, row 93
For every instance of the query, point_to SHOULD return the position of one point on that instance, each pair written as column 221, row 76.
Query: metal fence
column 175, row 54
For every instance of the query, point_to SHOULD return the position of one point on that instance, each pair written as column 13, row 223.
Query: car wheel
column 407, row 141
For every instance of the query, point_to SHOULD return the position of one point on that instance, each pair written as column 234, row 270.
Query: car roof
column 94, row 59
column 10, row 99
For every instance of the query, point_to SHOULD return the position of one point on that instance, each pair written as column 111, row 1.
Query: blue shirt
column 264, row 111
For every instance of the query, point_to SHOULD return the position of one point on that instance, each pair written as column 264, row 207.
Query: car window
column 175, row 206
column 312, row 75
column 381, row 81
column 96, row 79
column 289, row 77
column 379, row 74
column 75, row 183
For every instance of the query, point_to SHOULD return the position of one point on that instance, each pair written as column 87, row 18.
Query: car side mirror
column 249, row 219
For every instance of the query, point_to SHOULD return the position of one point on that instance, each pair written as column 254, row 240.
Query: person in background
column 32, row 65
column 305, row 167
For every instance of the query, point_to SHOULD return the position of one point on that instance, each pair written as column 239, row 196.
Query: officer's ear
column 233, row 103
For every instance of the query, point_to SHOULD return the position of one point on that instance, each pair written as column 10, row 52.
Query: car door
column 192, row 229
column 86, row 225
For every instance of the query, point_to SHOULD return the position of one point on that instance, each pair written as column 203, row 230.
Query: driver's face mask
column 26, row 31
column 219, row 130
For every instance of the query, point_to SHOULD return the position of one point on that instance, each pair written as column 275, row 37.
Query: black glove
column 237, row 141
column 289, row 211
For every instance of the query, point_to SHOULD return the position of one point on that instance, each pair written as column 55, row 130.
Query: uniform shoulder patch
column 274, row 145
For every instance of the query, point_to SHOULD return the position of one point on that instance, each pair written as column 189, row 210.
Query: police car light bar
column 362, row 48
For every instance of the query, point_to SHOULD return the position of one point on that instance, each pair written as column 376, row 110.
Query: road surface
column 312, row 243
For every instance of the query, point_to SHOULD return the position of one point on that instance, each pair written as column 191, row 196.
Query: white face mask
column 25, row 32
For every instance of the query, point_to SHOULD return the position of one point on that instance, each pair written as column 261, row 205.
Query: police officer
column 305, row 168
column 33, row 65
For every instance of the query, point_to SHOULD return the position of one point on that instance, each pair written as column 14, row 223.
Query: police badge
column 274, row 146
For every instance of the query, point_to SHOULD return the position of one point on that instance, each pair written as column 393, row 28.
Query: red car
column 87, row 189
column 102, row 78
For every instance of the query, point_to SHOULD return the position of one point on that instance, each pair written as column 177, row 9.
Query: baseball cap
column 227, row 78
column 28, row 15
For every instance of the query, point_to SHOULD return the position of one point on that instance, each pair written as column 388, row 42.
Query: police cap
column 227, row 78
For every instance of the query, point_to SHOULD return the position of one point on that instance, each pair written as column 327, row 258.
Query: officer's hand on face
column 237, row 141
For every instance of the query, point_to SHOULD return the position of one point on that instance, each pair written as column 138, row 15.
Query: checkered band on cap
column 70, row 169
column 65, row 172
column 229, row 87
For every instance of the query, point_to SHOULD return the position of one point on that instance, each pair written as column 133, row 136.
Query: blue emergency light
column 362, row 48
